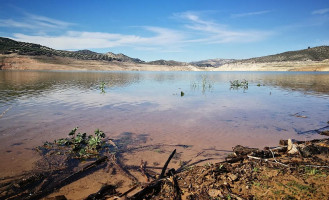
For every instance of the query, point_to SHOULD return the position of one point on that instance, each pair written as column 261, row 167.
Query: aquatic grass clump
column 102, row 87
column 236, row 84
column 77, row 145
column 205, row 84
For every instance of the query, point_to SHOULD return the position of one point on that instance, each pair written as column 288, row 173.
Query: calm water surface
column 42, row 106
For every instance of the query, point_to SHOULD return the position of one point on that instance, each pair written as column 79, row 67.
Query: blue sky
column 183, row 30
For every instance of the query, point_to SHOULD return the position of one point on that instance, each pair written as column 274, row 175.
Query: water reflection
column 15, row 84
column 46, row 105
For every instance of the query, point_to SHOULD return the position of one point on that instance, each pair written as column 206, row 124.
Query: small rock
column 292, row 148
column 215, row 193
column 289, row 144
column 233, row 177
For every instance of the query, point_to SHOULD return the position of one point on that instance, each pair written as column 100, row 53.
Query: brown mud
column 293, row 170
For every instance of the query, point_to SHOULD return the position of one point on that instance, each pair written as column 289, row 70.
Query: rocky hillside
column 311, row 54
column 168, row 63
column 212, row 62
column 9, row 46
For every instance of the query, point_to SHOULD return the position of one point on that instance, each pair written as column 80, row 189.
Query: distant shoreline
column 23, row 62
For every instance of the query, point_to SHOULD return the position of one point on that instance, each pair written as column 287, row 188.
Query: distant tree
column 308, row 47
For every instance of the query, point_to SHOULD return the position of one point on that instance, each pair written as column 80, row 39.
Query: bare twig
column 266, row 160
column 276, row 160
column 166, row 164
column 317, row 166
column 236, row 196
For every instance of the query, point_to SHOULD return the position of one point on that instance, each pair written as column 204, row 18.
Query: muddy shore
column 292, row 170
column 20, row 62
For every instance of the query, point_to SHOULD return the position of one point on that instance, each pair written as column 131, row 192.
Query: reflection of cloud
column 320, row 11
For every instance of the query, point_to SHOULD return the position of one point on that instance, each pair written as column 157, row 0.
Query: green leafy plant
column 312, row 171
column 102, row 87
column 255, row 169
column 78, row 145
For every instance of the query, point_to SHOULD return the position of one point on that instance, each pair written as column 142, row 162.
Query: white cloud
column 89, row 40
column 250, row 13
column 35, row 23
column 213, row 32
column 320, row 11
column 194, row 30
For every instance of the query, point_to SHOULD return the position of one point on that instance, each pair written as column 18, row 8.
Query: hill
column 167, row 62
column 9, row 46
column 212, row 62
column 29, row 56
column 311, row 54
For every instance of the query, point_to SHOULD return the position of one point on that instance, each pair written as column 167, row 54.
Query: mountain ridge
column 10, row 46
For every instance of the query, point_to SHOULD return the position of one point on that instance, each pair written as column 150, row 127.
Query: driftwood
column 40, row 185
column 68, row 179
column 104, row 191
column 155, row 186
column 119, row 166
column 166, row 164
column 177, row 191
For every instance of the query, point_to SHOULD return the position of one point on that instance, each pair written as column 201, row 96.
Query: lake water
column 210, row 116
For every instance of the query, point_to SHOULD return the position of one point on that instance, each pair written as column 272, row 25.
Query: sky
column 182, row 30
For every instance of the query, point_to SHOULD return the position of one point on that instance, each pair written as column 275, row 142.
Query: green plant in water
column 78, row 145
column 102, row 87
column 236, row 84
column 205, row 84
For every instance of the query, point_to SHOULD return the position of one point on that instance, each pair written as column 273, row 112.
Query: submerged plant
column 102, row 87
column 236, row 84
column 78, row 145
column 205, row 84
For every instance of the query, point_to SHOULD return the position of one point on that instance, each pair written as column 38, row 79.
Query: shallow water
column 39, row 106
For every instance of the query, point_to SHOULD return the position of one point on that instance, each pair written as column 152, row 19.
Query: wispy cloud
column 193, row 29
column 35, row 22
column 211, row 32
column 320, row 11
column 250, row 13
column 90, row 40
